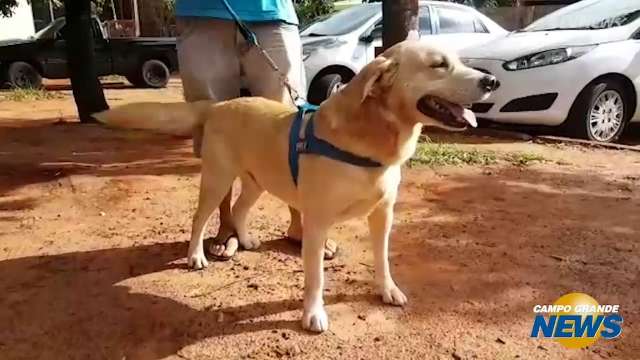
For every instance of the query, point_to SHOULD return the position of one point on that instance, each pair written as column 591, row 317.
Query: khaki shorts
column 215, row 61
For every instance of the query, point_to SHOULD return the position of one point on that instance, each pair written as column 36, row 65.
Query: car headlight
column 549, row 57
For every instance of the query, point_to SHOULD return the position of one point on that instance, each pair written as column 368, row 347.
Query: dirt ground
column 94, row 225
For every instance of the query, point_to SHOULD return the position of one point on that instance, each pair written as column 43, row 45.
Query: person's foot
column 224, row 246
column 330, row 247
column 225, row 250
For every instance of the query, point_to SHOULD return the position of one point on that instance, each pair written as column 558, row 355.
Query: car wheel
column 153, row 74
column 323, row 87
column 22, row 75
column 601, row 112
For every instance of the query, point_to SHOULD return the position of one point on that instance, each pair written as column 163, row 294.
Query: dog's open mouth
column 450, row 114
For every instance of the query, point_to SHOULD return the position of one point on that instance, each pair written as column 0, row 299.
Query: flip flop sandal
column 223, row 242
column 335, row 254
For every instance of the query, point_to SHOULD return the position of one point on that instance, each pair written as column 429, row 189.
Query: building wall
column 19, row 25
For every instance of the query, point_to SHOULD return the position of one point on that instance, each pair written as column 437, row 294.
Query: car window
column 345, row 21
column 424, row 21
column 457, row 21
column 95, row 29
column 479, row 26
column 59, row 35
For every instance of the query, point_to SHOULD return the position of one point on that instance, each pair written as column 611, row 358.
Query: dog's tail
column 181, row 119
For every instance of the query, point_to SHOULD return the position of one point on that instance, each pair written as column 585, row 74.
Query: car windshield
column 344, row 21
column 48, row 31
column 589, row 15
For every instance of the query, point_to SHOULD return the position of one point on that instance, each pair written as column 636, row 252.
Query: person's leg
column 208, row 57
column 210, row 69
column 282, row 43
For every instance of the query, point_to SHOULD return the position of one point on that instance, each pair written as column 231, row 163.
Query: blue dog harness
column 310, row 144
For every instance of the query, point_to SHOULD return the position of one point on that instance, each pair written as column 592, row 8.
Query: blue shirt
column 247, row 10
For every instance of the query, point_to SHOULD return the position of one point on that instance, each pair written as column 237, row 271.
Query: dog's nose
column 489, row 83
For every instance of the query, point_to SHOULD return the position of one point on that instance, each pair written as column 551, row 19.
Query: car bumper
column 539, row 96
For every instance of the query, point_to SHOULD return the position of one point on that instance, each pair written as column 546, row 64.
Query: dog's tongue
column 463, row 114
column 470, row 117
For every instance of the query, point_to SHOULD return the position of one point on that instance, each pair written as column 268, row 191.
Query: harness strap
column 311, row 144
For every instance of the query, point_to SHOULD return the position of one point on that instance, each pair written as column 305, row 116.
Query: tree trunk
column 398, row 18
column 87, row 91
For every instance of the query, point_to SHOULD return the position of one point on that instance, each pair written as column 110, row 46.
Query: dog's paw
column 394, row 296
column 315, row 320
column 250, row 243
column 197, row 260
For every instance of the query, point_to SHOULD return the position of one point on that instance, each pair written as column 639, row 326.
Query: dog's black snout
column 489, row 83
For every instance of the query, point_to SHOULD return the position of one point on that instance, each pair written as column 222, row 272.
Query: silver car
column 337, row 47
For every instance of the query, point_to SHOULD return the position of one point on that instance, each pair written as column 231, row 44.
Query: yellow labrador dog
column 378, row 115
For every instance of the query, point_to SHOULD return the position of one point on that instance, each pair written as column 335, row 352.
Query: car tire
column 601, row 112
column 23, row 75
column 152, row 73
column 323, row 87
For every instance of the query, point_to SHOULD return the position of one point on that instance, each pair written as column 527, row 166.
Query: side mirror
column 367, row 38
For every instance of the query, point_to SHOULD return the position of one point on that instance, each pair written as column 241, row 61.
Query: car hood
column 517, row 44
column 317, row 41
column 10, row 42
column 322, row 42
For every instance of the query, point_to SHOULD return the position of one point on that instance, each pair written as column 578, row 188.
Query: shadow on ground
column 40, row 154
column 497, row 243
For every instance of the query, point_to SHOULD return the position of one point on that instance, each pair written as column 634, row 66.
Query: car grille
column 481, row 108
column 530, row 103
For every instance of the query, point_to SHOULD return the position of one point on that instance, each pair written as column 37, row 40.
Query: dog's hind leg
column 214, row 184
column 380, row 221
column 250, row 193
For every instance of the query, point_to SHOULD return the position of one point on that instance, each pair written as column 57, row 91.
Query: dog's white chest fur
column 357, row 196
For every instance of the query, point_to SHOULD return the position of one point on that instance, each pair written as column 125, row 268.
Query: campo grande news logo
column 576, row 320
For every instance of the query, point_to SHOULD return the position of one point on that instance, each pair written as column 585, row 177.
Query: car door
column 457, row 28
column 633, row 70
column 54, row 56
column 102, row 48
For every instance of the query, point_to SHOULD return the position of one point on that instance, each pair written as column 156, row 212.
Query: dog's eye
column 442, row 64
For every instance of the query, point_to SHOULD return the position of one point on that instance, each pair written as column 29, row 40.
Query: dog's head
column 422, row 83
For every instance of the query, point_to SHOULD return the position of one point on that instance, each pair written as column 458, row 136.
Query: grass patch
column 30, row 95
column 432, row 154
column 113, row 78
column 523, row 158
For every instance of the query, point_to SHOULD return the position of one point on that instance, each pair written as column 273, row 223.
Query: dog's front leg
column 380, row 221
column 314, row 317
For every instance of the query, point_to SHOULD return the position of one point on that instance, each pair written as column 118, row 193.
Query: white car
column 578, row 67
column 338, row 47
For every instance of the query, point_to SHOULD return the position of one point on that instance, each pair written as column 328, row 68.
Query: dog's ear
column 379, row 76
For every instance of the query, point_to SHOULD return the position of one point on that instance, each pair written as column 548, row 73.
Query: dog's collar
column 305, row 142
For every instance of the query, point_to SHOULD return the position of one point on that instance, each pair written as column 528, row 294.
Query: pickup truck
column 145, row 62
